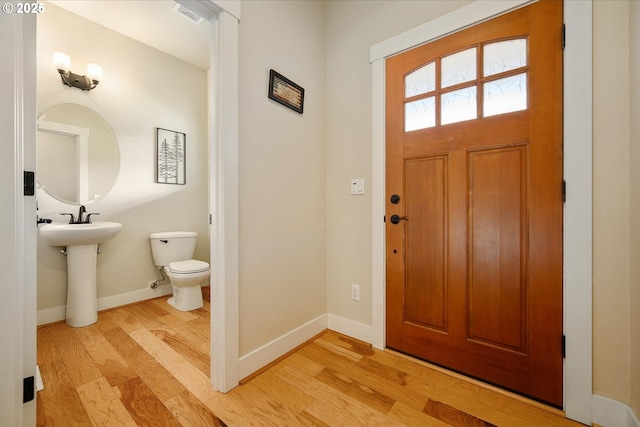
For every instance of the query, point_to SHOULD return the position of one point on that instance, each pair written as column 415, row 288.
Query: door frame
column 577, row 239
column 224, row 17
column 17, row 226
column 223, row 197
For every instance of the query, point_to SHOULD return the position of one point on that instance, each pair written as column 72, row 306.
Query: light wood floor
column 148, row 364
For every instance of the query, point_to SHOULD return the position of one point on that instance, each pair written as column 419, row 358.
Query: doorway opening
column 220, row 133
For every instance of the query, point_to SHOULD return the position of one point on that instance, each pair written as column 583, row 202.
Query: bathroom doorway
column 221, row 214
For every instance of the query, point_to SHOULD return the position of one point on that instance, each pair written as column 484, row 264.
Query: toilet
column 172, row 253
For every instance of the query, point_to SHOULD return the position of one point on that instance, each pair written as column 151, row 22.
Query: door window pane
column 420, row 114
column 505, row 95
column 504, row 56
column 421, row 81
column 458, row 68
column 459, row 105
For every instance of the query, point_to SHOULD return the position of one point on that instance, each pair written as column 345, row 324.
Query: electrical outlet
column 355, row 292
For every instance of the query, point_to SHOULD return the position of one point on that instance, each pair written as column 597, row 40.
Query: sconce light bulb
column 94, row 72
column 61, row 61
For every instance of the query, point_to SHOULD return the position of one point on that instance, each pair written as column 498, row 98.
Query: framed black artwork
column 286, row 92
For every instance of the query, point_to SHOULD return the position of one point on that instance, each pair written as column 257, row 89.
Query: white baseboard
column 611, row 413
column 261, row 357
column 51, row 315
column 350, row 328
column 57, row 314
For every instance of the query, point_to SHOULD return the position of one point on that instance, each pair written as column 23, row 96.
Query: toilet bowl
column 186, row 278
column 172, row 253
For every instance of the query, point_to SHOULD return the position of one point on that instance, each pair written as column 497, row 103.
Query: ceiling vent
column 190, row 15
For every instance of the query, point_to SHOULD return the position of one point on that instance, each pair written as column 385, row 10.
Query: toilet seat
column 188, row 266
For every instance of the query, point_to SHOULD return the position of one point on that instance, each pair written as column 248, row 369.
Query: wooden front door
column 474, row 201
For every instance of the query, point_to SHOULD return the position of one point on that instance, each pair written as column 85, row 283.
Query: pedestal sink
column 81, row 241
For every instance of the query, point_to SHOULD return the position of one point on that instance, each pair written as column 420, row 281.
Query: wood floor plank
column 191, row 412
column 147, row 313
column 338, row 349
column 403, row 387
column 188, row 350
column 230, row 408
column 406, row 416
column 143, row 405
column 102, row 404
column 203, row 311
column 47, row 349
column 113, row 367
column 519, row 413
column 464, row 395
column 368, row 396
column 105, row 322
column 74, row 355
column 125, row 320
column 386, row 372
column 330, row 405
column 351, row 344
column 173, row 321
column 184, row 316
column 325, row 355
column 453, row 416
column 190, row 377
column 267, row 407
column 301, row 363
column 410, row 391
column 308, row 420
column 61, row 404
column 197, row 332
column 290, row 396
column 159, row 380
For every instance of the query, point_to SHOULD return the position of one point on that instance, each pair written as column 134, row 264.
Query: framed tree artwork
column 171, row 157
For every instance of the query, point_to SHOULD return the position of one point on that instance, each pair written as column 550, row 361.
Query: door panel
column 425, row 288
column 497, row 247
column 474, row 268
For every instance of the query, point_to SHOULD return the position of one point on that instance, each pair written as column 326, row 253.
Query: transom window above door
column 480, row 81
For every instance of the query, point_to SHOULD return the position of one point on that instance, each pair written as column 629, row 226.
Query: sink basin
column 79, row 234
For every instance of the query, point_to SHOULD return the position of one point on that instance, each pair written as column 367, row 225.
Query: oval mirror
column 77, row 154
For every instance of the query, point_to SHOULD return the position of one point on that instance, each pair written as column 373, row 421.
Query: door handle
column 395, row 219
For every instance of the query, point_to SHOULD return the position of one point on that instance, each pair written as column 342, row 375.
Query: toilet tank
column 171, row 246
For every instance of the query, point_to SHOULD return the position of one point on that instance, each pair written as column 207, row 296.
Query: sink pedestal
column 82, row 301
column 81, row 241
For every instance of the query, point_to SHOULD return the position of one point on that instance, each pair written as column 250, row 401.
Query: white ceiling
column 152, row 22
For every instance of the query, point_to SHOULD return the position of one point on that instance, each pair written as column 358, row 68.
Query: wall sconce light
column 62, row 62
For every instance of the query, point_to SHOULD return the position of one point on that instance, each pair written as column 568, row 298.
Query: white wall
column 282, row 175
column 142, row 89
column 352, row 28
column 634, row 158
column 611, row 210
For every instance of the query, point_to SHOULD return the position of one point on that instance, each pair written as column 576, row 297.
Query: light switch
column 357, row 186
